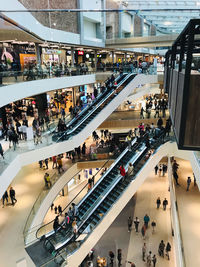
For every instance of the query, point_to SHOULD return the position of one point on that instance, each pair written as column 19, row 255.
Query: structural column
column 95, row 60
column 38, row 51
column 72, row 56
column 113, row 57
column 125, row 57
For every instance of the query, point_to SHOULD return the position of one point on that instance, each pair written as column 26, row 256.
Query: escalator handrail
column 141, row 152
column 73, row 198
column 119, row 177
column 93, row 110
column 88, row 106
column 98, row 105
column 106, row 173
column 116, row 181
column 85, row 109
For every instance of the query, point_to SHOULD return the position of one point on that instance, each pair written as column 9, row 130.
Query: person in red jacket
column 122, row 172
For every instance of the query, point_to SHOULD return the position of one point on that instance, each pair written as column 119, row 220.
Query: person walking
column 142, row 113
column 158, row 202
column 154, row 260
column 144, row 250
column 15, row 139
column 12, row 196
column 161, row 248
column 83, row 150
column 153, row 224
column 143, row 231
column 130, row 222
column 52, row 205
column 146, row 220
column 46, row 161
column 136, row 223
column 59, row 210
column 55, row 209
column 119, row 257
column 1, row 151
column 54, row 162
column 156, row 169
column 47, row 180
column 149, row 259
column 188, row 183
column 160, row 169
column 5, row 197
column 112, row 256
column 168, row 249
column 165, row 203
column 60, row 165
column 176, row 177
column 175, row 166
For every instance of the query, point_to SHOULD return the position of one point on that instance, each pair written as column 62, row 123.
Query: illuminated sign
column 80, row 53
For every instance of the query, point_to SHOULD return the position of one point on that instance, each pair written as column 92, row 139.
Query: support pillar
column 72, row 56
column 74, row 96
column 125, row 57
column 38, row 51
column 95, row 60
column 113, row 57
column 41, row 102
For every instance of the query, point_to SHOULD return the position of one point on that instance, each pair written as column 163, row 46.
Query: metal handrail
column 101, row 198
column 97, row 106
column 74, row 197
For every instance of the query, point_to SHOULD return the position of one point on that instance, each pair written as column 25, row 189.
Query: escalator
column 97, row 202
column 94, row 206
column 87, row 115
column 99, row 98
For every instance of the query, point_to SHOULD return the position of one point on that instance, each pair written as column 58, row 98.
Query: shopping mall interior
column 99, row 133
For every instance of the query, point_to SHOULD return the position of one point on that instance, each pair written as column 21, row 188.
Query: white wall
column 146, row 29
column 89, row 30
column 30, row 23
column 126, row 22
column 21, row 90
column 94, row 4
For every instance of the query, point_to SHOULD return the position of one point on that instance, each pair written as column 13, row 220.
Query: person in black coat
column 84, row 149
column 12, row 196
column 56, row 224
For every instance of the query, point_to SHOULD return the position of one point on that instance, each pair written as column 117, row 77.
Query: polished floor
column 152, row 188
column 189, row 216
column 118, row 237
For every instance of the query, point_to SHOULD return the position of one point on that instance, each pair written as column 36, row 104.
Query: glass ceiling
column 168, row 15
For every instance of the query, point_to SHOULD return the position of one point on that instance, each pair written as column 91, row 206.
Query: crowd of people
column 154, row 103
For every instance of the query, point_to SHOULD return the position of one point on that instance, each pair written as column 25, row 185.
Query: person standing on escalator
column 122, row 172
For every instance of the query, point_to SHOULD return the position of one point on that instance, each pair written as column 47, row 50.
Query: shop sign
column 80, row 53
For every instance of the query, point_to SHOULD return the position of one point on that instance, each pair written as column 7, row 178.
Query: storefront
column 57, row 56
column 16, row 56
